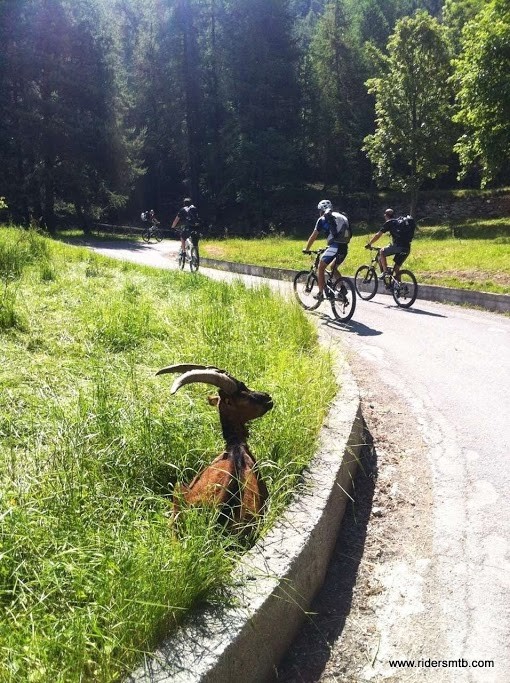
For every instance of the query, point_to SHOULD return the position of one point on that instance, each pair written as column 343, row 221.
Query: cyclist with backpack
column 188, row 217
column 401, row 230
column 335, row 227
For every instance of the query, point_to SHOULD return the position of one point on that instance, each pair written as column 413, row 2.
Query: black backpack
column 192, row 216
column 404, row 228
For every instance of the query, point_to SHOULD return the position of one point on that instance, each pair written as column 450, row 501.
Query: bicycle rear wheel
column 194, row 260
column 405, row 290
column 365, row 281
column 146, row 236
column 344, row 303
column 305, row 287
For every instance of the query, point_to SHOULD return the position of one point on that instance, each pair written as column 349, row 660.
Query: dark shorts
column 335, row 251
column 189, row 232
column 399, row 252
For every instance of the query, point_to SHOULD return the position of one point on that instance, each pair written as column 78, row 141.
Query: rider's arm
column 311, row 240
column 377, row 236
column 176, row 221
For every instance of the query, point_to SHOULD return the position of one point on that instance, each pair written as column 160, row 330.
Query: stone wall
column 438, row 208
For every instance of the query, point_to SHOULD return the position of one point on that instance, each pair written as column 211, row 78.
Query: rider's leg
column 321, row 276
column 340, row 258
column 383, row 263
column 398, row 261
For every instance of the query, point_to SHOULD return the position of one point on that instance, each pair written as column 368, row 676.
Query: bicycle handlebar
column 312, row 251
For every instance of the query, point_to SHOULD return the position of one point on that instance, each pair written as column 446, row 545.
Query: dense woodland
column 109, row 107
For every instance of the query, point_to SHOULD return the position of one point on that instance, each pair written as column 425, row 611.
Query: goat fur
column 232, row 482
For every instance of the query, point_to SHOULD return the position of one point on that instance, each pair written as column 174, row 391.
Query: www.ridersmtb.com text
column 441, row 663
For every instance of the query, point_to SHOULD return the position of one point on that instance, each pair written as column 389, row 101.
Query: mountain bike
column 190, row 254
column 152, row 232
column 340, row 292
column 402, row 286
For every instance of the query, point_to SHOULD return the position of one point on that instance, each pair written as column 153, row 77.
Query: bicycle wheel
column 365, row 281
column 305, row 287
column 344, row 303
column 405, row 290
column 181, row 260
column 157, row 234
column 194, row 260
column 146, row 236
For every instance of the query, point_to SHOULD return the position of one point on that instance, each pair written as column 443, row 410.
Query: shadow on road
column 353, row 326
column 418, row 311
column 325, row 621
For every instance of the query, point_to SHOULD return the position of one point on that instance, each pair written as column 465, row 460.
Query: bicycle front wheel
column 157, row 234
column 306, row 287
column 365, row 281
column 405, row 290
column 344, row 303
column 194, row 260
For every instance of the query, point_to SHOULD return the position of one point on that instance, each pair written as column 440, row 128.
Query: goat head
column 232, row 481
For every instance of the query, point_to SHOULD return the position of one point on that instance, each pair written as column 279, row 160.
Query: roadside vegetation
column 91, row 443
column 469, row 255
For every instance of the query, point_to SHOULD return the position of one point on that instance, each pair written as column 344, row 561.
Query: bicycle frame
column 366, row 281
column 328, row 274
column 339, row 292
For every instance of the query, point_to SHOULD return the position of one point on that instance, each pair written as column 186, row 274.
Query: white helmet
column 324, row 205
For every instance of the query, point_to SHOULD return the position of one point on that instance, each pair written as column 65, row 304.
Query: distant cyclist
column 187, row 216
column 335, row 227
column 402, row 232
column 150, row 217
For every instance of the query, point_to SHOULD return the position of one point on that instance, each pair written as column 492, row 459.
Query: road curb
column 499, row 303
column 278, row 578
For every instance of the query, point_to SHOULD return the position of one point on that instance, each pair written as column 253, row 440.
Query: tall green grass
column 470, row 255
column 91, row 443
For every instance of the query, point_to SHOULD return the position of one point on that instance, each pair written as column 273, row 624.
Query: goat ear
column 213, row 400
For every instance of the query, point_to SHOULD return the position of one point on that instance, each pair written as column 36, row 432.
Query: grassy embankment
column 477, row 258
column 91, row 443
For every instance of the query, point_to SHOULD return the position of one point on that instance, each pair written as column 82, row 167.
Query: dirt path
column 373, row 591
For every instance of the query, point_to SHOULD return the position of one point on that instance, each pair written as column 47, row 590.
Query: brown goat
column 232, row 481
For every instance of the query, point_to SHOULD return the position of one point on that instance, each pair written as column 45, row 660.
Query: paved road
column 451, row 365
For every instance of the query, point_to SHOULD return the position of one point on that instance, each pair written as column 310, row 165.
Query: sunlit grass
column 91, row 443
column 477, row 257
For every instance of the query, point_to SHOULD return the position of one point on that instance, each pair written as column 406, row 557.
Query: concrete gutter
column 487, row 300
column 278, row 578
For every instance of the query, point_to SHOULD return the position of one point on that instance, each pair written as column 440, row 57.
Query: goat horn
column 185, row 367
column 208, row 376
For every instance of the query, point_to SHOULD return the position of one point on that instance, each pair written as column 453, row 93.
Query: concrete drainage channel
column 278, row 578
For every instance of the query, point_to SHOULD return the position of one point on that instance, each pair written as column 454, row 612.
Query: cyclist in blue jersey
column 334, row 226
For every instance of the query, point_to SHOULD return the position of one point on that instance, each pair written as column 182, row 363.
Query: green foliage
column 482, row 73
column 91, row 443
column 412, row 137
column 456, row 14
column 111, row 108
column 62, row 111
column 336, row 110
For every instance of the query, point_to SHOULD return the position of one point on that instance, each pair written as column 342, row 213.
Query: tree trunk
column 190, row 85
column 49, row 197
